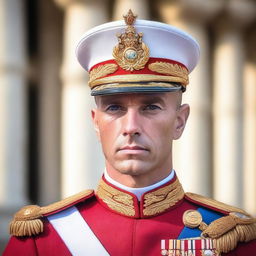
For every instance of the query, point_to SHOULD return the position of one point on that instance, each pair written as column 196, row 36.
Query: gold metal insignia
column 101, row 71
column 170, row 69
column 131, row 53
column 192, row 218
column 116, row 199
column 161, row 199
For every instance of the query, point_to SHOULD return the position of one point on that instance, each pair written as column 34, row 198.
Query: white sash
column 76, row 234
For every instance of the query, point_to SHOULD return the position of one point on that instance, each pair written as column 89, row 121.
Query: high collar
column 141, row 190
column 153, row 202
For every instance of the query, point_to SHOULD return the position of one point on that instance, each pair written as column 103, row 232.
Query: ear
column 95, row 121
column 181, row 120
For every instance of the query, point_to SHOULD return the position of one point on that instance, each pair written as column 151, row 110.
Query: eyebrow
column 143, row 99
column 107, row 100
column 153, row 99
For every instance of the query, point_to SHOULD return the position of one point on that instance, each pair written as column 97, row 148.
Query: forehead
column 137, row 97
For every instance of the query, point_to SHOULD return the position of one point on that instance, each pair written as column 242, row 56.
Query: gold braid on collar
column 154, row 202
column 163, row 198
column 115, row 199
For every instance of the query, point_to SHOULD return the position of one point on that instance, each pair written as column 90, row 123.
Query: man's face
column 136, row 131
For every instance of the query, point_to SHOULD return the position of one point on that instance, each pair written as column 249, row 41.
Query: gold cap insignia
column 131, row 53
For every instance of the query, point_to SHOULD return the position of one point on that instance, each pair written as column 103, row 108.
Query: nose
column 131, row 123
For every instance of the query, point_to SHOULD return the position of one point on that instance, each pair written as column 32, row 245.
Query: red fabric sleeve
column 20, row 246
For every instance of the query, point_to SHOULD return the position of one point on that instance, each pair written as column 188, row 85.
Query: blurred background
column 48, row 149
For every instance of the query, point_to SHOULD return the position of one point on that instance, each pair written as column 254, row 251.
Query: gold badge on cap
column 192, row 218
column 131, row 53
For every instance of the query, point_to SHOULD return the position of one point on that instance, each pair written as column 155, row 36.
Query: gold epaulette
column 28, row 220
column 228, row 231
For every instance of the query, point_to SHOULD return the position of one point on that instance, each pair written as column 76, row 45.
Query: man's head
column 136, row 132
column 138, row 70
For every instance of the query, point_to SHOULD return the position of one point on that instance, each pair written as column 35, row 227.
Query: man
column 139, row 207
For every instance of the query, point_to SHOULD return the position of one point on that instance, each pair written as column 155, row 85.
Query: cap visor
column 135, row 88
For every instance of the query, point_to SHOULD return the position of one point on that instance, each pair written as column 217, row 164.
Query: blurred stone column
column 228, row 102
column 139, row 8
column 81, row 158
column 50, row 46
column 192, row 153
column 13, row 130
column 249, row 180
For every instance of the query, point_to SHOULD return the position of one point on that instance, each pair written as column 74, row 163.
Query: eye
column 152, row 107
column 113, row 108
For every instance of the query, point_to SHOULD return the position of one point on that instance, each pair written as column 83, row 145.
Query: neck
column 135, row 180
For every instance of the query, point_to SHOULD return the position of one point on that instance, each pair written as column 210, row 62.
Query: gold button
column 192, row 218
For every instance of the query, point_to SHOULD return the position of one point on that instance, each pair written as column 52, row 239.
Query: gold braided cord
column 26, row 227
column 246, row 232
column 219, row 227
column 241, row 233
column 169, row 69
column 116, row 199
column 102, row 70
column 159, row 200
column 137, row 78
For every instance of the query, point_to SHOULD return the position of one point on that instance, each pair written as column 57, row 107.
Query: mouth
column 133, row 148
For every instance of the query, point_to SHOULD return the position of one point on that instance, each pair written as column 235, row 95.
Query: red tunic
column 136, row 230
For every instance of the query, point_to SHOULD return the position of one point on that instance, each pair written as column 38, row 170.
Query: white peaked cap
column 164, row 42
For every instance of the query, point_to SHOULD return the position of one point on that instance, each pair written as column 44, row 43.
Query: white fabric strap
column 76, row 234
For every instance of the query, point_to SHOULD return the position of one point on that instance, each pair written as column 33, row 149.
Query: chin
column 132, row 168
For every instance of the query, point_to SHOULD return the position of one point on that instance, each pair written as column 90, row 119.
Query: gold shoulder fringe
column 27, row 221
column 228, row 231
column 211, row 202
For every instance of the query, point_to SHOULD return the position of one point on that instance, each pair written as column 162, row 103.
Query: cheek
column 108, row 131
column 160, row 132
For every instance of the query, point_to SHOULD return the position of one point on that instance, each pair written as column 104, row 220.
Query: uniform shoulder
column 233, row 227
column 212, row 204
column 28, row 220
